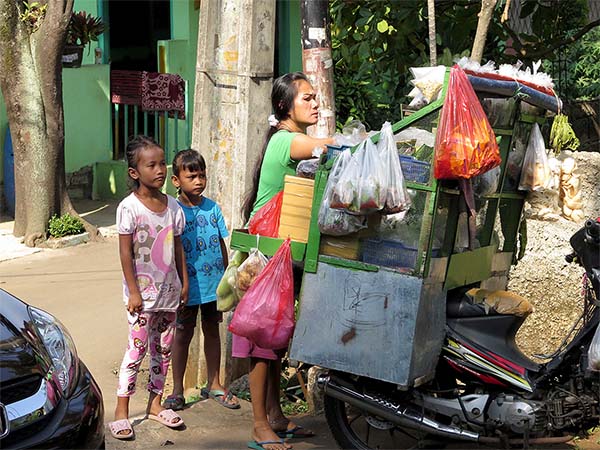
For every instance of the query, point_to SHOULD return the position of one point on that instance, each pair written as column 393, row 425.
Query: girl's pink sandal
column 118, row 426
column 166, row 417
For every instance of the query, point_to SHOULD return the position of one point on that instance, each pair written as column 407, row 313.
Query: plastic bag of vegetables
column 358, row 191
column 336, row 222
column 395, row 195
column 227, row 293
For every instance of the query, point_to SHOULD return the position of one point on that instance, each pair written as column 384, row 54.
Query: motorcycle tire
column 347, row 437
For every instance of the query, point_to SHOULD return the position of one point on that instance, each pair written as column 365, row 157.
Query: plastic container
column 334, row 150
column 387, row 253
column 415, row 170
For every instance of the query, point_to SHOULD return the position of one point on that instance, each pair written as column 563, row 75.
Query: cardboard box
column 296, row 208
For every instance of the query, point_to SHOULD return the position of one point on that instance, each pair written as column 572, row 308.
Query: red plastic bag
column 265, row 315
column 465, row 145
column 266, row 220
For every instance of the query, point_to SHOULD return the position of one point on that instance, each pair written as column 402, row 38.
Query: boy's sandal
column 118, row 426
column 176, row 402
column 168, row 418
column 224, row 398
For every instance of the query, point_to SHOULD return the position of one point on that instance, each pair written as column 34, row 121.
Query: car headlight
column 60, row 347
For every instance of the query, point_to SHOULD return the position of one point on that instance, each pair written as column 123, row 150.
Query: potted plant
column 83, row 28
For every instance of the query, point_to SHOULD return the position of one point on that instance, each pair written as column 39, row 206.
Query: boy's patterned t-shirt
column 201, row 239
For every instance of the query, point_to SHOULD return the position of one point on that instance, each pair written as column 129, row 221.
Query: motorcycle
column 485, row 390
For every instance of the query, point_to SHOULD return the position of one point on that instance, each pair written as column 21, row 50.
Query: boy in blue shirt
column 206, row 259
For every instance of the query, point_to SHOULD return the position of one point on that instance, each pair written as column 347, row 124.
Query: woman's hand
column 135, row 304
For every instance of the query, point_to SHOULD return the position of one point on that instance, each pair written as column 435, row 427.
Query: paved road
column 82, row 286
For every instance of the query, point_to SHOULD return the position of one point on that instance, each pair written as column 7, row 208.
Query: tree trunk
column 432, row 36
column 485, row 15
column 31, row 83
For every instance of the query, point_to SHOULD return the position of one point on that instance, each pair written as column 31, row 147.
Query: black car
column 48, row 397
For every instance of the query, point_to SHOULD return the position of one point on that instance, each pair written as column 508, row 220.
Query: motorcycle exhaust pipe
column 400, row 415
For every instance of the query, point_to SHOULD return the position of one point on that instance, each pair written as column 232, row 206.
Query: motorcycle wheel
column 354, row 429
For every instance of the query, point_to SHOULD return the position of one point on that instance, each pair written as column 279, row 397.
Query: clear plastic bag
column 395, row 196
column 535, row 173
column 594, row 352
column 227, row 293
column 249, row 270
column 336, row 222
column 265, row 314
column 307, row 168
column 487, row 183
column 360, row 182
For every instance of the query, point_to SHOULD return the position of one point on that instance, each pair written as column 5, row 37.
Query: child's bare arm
column 181, row 269
column 224, row 253
column 135, row 298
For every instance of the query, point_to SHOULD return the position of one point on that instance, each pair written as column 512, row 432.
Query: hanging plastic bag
column 249, row 270
column 594, row 352
column 535, row 173
column 335, row 222
column 465, row 144
column 266, row 220
column 227, row 292
column 359, row 187
column 395, row 195
column 265, row 314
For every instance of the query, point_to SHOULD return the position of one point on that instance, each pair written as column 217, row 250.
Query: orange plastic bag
column 465, row 145
column 265, row 314
column 266, row 220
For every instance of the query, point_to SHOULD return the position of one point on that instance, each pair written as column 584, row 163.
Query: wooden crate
column 296, row 208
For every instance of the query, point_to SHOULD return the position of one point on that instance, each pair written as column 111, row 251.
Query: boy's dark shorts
column 208, row 313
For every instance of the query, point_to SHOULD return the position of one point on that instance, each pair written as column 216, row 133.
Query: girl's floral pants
column 154, row 329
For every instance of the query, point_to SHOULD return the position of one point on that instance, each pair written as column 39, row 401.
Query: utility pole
column 317, row 62
column 234, row 75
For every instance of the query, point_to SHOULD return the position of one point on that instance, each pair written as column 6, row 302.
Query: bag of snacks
column 395, row 195
column 249, row 270
column 535, row 173
column 465, row 144
column 336, row 222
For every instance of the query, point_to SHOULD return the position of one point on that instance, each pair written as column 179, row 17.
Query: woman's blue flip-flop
column 295, row 433
column 260, row 445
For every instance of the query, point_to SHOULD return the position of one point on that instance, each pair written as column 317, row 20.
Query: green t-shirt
column 276, row 165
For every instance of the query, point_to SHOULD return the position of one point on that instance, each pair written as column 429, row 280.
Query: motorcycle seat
column 482, row 302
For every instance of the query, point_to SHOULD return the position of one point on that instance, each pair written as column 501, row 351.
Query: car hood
column 21, row 352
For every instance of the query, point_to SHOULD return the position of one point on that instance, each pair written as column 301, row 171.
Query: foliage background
column 375, row 43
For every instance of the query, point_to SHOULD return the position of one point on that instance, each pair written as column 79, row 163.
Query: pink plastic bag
column 265, row 315
column 266, row 220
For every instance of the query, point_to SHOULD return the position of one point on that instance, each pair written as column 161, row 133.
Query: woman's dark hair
column 132, row 152
column 282, row 100
column 190, row 160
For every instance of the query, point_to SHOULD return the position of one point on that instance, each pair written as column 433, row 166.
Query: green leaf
column 382, row 26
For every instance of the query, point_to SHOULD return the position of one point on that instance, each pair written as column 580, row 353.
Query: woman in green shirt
column 295, row 108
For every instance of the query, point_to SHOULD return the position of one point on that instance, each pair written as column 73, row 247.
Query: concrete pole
column 234, row 75
column 317, row 62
